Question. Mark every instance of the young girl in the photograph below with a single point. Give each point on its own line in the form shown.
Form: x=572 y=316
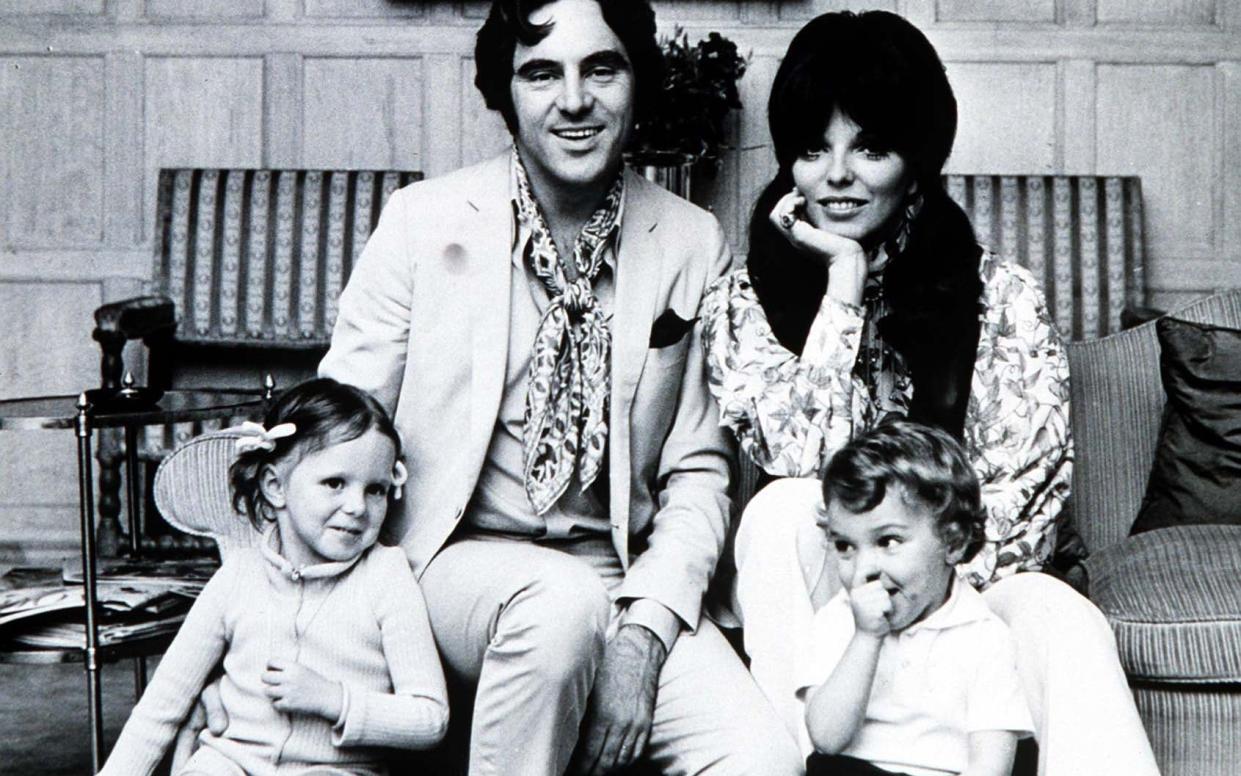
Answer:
x=907 y=670
x=327 y=650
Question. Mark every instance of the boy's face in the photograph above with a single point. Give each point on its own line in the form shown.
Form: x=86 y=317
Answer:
x=897 y=546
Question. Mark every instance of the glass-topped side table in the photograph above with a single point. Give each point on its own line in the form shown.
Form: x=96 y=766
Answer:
x=78 y=414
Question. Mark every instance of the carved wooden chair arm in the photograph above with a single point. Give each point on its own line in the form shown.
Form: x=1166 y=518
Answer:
x=142 y=317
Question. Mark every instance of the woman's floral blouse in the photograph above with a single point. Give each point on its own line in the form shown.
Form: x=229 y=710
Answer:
x=791 y=413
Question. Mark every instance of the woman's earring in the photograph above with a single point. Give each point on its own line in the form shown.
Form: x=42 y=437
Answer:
x=913 y=206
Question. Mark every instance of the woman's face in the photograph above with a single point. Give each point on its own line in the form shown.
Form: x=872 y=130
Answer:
x=852 y=185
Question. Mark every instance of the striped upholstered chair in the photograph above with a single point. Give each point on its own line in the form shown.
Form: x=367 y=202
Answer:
x=248 y=265
x=1172 y=595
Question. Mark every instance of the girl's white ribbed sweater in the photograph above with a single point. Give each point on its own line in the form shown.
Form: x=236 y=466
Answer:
x=362 y=623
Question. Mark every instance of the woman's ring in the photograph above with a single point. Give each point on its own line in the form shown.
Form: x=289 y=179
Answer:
x=786 y=220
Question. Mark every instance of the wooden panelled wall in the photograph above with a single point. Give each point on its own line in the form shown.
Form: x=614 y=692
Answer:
x=96 y=95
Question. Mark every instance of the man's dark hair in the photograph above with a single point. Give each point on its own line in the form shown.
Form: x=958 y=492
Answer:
x=508 y=24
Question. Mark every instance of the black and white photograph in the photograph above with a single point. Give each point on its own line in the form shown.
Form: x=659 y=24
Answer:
x=620 y=387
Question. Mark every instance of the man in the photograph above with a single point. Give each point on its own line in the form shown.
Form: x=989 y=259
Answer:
x=529 y=321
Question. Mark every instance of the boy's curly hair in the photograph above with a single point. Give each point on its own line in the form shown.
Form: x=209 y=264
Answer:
x=928 y=465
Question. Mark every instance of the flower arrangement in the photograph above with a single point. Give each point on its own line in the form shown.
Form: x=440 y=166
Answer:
x=699 y=89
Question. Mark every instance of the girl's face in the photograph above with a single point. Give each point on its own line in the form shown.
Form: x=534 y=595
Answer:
x=852 y=185
x=331 y=503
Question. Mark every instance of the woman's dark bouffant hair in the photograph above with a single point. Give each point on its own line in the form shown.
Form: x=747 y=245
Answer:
x=883 y=73
x=325 y=413
x=928 y=465
x=633 y=21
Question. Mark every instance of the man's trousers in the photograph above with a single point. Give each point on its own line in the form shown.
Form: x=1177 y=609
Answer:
x=527 y=624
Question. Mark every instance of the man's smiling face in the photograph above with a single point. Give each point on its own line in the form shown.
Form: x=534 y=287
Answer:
x=573 y=95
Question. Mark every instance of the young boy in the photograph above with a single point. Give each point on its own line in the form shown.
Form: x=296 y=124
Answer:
x=907 y=671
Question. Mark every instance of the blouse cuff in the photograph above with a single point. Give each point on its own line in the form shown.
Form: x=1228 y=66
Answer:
x=837 y=323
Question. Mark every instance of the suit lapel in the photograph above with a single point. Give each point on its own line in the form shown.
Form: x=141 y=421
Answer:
x=488 y=252
x=638 y=269
x=637 y=284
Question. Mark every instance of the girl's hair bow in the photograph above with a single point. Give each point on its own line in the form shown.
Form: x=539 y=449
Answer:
x=399 y=475
x=258 y=438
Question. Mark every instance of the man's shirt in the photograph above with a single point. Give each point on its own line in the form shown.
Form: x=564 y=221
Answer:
x=499 y=504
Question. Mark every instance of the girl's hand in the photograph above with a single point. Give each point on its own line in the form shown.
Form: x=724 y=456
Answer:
x=846 y=261
x=871 y=605
x=293 y=687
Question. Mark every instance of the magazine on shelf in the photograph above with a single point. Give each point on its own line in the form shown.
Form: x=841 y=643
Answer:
x=54 y=615
x=60 y=634
x=33 y=601
x=180 y=573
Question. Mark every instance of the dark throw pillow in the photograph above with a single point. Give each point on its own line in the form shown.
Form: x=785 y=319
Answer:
x=1196 y=477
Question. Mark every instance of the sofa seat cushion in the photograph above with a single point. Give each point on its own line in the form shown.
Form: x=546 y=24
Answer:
x=1173 y=598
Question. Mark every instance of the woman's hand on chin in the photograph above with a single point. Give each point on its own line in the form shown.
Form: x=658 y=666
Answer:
x=846 y=261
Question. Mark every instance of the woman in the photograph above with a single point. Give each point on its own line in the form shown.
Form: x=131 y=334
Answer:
x=865 y=293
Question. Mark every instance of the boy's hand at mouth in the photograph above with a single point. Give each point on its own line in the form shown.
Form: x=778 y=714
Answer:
x=872 y=605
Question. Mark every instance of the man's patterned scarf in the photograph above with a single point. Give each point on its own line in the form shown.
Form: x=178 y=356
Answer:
x=566 y=419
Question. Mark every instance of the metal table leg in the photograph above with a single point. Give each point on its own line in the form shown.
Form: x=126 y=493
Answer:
x=131 y=489
x=86 y=502
x=132 y=514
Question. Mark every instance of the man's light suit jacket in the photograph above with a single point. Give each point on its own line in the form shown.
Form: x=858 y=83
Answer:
x=423 y=325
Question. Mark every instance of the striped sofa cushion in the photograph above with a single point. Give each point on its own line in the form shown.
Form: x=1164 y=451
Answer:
x=1173 y=597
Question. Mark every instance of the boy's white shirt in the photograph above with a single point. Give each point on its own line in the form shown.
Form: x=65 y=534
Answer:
x=937 y=680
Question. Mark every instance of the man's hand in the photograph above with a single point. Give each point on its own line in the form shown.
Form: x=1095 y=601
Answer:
x=293 y=687
x=622 y=702
x=871 y=605
x=208 y=712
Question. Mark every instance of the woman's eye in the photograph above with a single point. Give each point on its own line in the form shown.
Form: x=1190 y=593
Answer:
x=889 y=542
x=375 y=489
x=810 y=154
x=872 y=151
x=335 y=483
x=842 y=548
x=602 y=73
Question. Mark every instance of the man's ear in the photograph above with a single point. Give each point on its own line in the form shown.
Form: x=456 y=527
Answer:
x=272 y=487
